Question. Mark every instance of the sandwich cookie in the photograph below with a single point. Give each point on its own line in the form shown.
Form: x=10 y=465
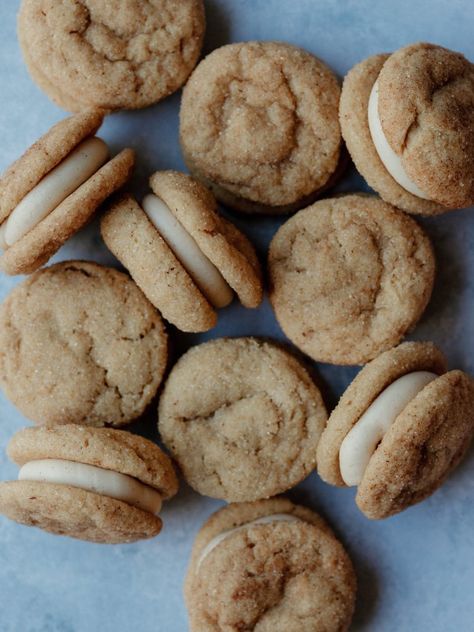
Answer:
x=53 y=190
x=79 y=343
x=112 y=54
x=186 y=258
x=349 y=277
x=399 y=429
x=242 y=418
x=259 y=126
x=269 y=565
x=408 y=122
x=94 y=484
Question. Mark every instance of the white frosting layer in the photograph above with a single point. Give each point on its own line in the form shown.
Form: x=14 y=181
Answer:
x=3 y=243
x=210 y=546
x=55 y=187
x=362 y=440
x=204 y=273
x=392 y=162
x=93 y=479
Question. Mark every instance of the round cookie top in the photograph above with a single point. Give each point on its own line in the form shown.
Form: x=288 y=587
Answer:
x=106 y=448
x=349 y=276
x=287 y=575
x=114 y=54
x=426 y=109
x=195 y=207
x=259 y=123
x=371 y=380
x=79 y=343
x=242 y=418
x=48 y=151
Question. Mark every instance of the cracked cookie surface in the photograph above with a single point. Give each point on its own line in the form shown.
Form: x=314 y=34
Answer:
x=259 y=125
x=242 y=418
x=110 y=53
x=79 y=343
x=349 y=277
x=272 y=577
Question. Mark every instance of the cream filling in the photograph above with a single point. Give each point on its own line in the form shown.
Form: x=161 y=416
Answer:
x=93 y=479
x=54 y=188
x=204 y=273
x=210 y=546
x=391 y=161
x=361 y=441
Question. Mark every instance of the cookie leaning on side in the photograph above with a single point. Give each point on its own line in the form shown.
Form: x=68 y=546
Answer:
x=408 y=122
x=93 y=484
x=269 y=565
x=399 y=429
x=53 y=190
x=186 y=258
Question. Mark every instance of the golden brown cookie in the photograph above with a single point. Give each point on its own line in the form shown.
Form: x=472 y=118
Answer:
x=154 y=257
x=112 y=54
x=52 y=191
x=259 y=126
x=242 y=418
x=287 y=571
x=79 y=343
x=349 y=276
x=413 y=438
x=94 y=484
x=426 y=113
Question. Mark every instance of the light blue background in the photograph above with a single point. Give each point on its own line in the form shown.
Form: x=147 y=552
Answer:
x=416 y=570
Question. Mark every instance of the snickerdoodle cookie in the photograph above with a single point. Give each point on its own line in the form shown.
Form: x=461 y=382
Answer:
x=242 y=418
x=187 y=259
x=259 y=126
x=270 y=566
x=399 y=429
x=94 y=484
x=79 y=343
x=112 y=54
x=349 y=276
x=53 y=190
x=408 y=122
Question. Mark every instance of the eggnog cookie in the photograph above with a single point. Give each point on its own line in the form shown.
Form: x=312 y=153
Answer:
x=269 y=565
x=408 y=122
x=94 y=484
x=259 y=125
x=112 y=54
x=79 y=343
x=242 y=418
x=399 y=429
x=349 y=276
x=186 y=258
x=54 y=188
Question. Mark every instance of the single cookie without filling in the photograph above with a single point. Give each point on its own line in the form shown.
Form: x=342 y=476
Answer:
x=242 y=418
x=113 y=54
x=349 y=276
x=79 y=343
x=399 y=429
x=186 y=258
x=408 y=122
x=53 y=190
x=95 y=484
x=259 y=126
x=270 y=566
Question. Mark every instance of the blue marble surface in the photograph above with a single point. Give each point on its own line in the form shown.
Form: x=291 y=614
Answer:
x=416 y=570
